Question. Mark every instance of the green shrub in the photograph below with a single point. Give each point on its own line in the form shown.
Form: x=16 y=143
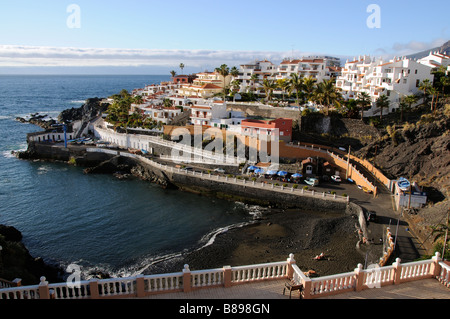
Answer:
x=72 y=161
x=295 y=186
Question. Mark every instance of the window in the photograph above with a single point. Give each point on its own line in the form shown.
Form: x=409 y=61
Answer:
x=415 y=72
x=417 y=83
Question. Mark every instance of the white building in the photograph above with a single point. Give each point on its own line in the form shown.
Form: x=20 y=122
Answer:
x=396 y=78
x=162 y=114
x=251 y=75
x=204 y=114
x=436 y=60
x=318 y=68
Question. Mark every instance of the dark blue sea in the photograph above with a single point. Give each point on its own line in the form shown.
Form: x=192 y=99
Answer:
x=122 y=227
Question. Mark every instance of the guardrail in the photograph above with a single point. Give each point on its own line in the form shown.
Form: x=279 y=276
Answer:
x=373 y=277
x=242 y=182
x=185 y=281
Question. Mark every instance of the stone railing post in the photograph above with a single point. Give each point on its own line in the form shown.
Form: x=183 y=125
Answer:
x=140 y=286
x=290 y=262
x=435 y=268
x=359 y=274
x=397 y=271
x=17 y=282
x=44 y=292
x=307 y=284
x=187 y=286
x=227 y=276
x=93 y=288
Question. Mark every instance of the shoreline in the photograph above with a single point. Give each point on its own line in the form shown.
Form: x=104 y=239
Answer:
x=278 y=234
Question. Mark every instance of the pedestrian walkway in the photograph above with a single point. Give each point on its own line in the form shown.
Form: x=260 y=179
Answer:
x=420 y=289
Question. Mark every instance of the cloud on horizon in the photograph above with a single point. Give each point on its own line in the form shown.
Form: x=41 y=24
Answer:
x=13 y=56
x=412 y=47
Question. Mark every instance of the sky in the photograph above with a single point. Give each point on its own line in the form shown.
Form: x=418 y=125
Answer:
x=155 y=36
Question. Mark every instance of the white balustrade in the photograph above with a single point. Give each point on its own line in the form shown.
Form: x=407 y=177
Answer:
x=206 y=278
x=259 y=272
x=116 y=286
x=334 y=283
x=79 y=290
x=444 y=275
x=166 y=282
x=26 y=292
x=415 y=270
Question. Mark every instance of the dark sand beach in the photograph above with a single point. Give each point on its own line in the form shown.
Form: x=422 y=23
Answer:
x=279 y=233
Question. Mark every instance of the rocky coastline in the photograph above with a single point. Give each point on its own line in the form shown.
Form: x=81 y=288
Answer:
x=275 y=235
x=17 y=262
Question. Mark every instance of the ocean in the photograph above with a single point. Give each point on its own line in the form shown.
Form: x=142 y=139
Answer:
x=98 y=222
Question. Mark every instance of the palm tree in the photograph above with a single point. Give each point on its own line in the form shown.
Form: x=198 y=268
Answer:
x=181 y=67
x=173 y=73
x=283 y=85
x=434 y=97
x=167 y=102
x=444 y=83
x=409 y=100
x=224 y=71
x=382 y=102
x=269 y=86
x=331 y=96
x=364 y=101
x=424 y=86
x=235 y=84
x=309 y=85
x=296 y=84
x=253 y=79
x=441 y=230
x=138 y=99
x=234 y=72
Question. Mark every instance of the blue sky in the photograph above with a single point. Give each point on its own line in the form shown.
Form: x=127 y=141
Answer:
x=158 y=35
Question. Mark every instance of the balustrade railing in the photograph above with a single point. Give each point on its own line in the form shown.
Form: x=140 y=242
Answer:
x=251 y=273
x=444 y=275
x=141 y=286
x=163 y=283
x=25 y=292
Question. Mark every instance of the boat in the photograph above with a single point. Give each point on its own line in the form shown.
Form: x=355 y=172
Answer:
x=403 y=184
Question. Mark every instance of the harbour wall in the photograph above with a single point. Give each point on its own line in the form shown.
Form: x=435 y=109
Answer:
x=206 y=184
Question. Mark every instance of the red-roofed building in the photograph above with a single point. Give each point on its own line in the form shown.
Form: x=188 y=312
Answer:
x=256 y=128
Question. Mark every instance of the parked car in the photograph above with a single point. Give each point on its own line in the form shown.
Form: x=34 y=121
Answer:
x=336 y=178
x=219 y=170
x=312 y=181
x=367 y=190
x=371 y=216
